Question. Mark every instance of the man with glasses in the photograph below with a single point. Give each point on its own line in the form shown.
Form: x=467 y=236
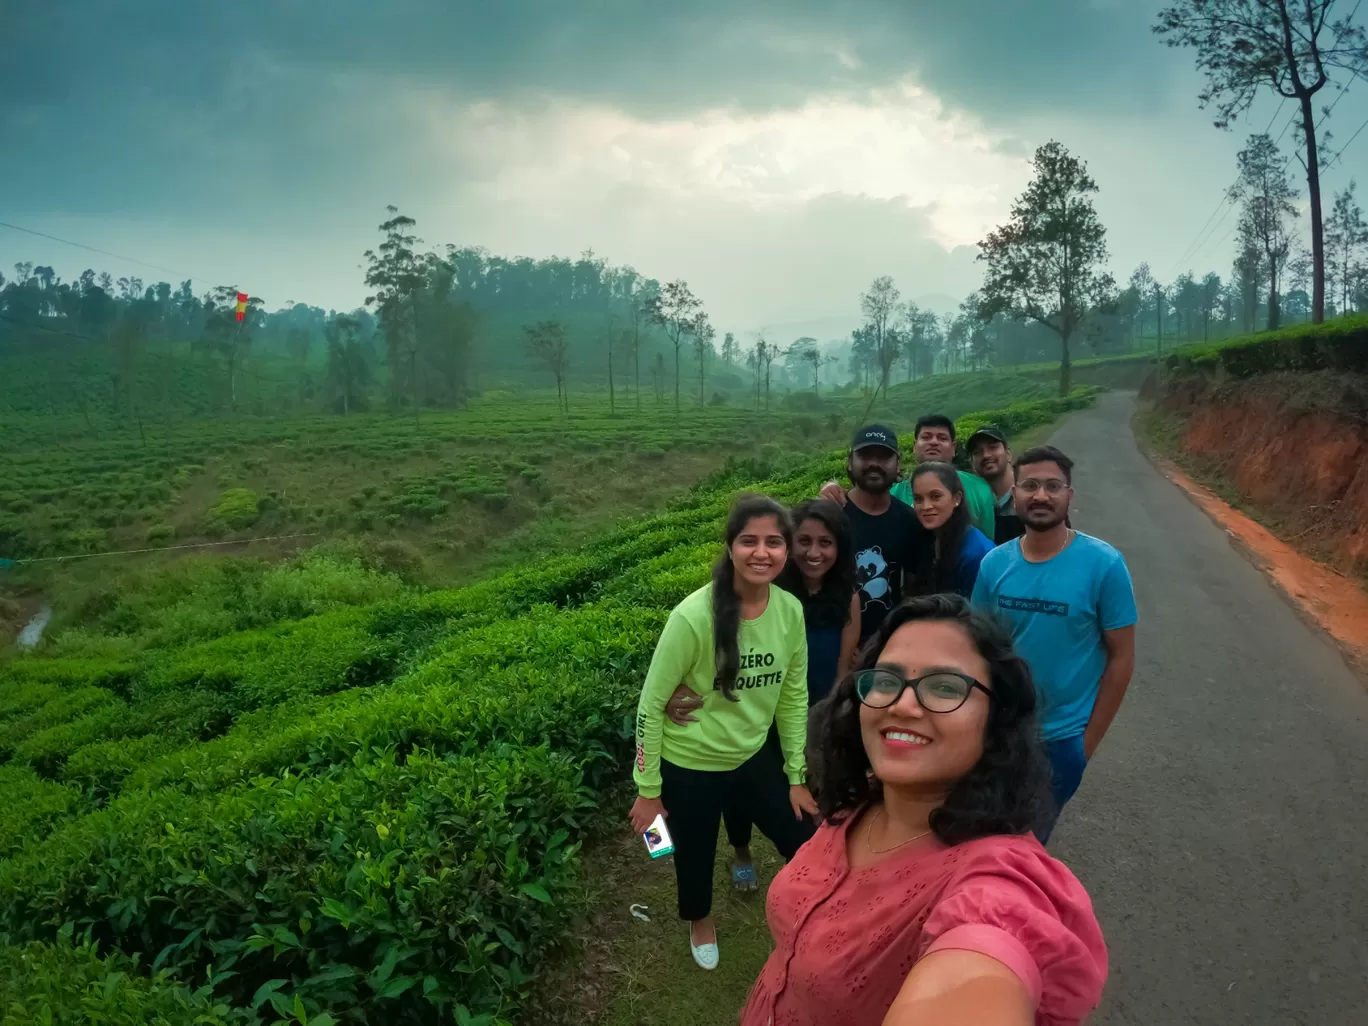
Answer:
x=1068 y=600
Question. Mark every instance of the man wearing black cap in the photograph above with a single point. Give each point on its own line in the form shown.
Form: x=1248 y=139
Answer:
x=885 y=532
x=991 y=458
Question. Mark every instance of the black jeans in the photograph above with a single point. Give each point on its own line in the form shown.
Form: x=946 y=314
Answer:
x=695 y=799
x=734 y=813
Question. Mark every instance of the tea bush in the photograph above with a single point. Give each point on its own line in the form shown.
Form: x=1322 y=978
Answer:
x=73 y=985
x=236 y=508
x=1340 y=345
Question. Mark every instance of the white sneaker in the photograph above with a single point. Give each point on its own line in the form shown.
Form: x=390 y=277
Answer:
x=704 y=954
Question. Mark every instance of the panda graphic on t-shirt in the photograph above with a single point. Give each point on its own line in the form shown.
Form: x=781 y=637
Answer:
x=871 y=570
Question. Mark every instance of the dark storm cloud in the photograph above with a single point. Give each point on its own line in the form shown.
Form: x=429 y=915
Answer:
x=638 y=54
x=107 y=106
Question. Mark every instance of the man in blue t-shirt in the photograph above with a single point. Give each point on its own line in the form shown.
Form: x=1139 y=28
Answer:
x=1068 y=600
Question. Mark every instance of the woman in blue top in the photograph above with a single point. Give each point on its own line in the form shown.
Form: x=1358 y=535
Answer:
x=821 y=573
x=951 y=562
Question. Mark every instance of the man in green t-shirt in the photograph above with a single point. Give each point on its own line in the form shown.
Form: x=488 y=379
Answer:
x=935 y=441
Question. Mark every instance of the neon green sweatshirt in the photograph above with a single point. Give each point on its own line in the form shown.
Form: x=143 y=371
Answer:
x=770 y=685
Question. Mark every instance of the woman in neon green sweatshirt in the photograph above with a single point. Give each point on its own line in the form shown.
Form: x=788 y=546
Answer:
x=740 y=643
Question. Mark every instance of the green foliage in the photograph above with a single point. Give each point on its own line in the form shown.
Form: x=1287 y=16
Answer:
x=63 y=984
x=236 y=509
x=29 y=805
x=1338 y=345
x=345 y=799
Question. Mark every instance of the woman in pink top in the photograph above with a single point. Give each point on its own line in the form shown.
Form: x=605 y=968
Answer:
x=924 y=898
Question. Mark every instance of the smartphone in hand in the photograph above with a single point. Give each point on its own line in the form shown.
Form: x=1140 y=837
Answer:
x=657 y=838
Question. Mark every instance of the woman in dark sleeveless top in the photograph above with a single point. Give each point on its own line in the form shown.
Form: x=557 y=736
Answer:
x=821 y=573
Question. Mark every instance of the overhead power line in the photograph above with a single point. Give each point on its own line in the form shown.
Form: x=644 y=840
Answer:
x=116 y=256
x=1199 y=242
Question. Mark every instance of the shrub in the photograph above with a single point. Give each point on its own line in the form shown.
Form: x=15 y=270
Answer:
x=236 y=509
x=29 y=806
x=63 y=984
x=323 y=653
x=160 y=533
x=100 y=768
x=46 y=750
x=65 y=707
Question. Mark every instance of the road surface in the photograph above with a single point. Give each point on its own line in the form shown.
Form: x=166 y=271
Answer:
x=1222 y=827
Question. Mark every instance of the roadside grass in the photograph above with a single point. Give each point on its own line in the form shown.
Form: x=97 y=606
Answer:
x=620 y=971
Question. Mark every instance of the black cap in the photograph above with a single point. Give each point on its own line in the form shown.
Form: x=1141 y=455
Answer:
x=986 y=431
x=875 y=434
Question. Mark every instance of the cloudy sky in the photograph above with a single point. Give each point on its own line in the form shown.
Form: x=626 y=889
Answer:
x=776 y=155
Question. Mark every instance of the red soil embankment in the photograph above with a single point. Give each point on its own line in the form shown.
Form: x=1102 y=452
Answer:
x=1295 y=446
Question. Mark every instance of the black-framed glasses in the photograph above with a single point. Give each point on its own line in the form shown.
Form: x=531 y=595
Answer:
x=941 y=691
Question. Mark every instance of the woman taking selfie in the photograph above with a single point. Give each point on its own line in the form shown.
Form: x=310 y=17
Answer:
x=924 y=899
x=951 y=563
x=739 y=643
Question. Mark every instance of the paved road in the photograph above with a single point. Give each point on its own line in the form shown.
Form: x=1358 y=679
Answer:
x=1222 y=828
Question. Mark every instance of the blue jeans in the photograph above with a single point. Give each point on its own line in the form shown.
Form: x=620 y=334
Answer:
x=1067 y=763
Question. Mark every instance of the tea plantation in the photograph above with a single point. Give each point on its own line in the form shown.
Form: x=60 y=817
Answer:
x=311 y=793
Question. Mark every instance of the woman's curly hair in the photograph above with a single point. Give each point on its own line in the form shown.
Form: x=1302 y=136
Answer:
x=1006 y=791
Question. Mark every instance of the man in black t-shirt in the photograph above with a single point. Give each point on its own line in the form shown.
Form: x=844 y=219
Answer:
x=885 y=532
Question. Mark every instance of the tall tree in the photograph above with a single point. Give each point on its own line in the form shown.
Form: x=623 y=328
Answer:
x=766 y=352
x=1142 y=281
x=1211 y=295
x=348 y=370
x=443 y=338
x=1045 y=265
x=396 y=273
x=609 y=319
x=1246 y=274
x=911 y=338
x=297 y=342
x=547 y=342
x=1245 y=45
x=731 y=351
x=880 y=307
x=640 y=310
x=804 y=352
x=1267 y=196
x=863 y=355
x=702 y=333
x=1346 y=236
x=675 y=309
x=226 y=336
x=980 y=333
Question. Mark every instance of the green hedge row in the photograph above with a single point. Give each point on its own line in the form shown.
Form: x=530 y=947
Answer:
x=1340 y=344
x=428 y=824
